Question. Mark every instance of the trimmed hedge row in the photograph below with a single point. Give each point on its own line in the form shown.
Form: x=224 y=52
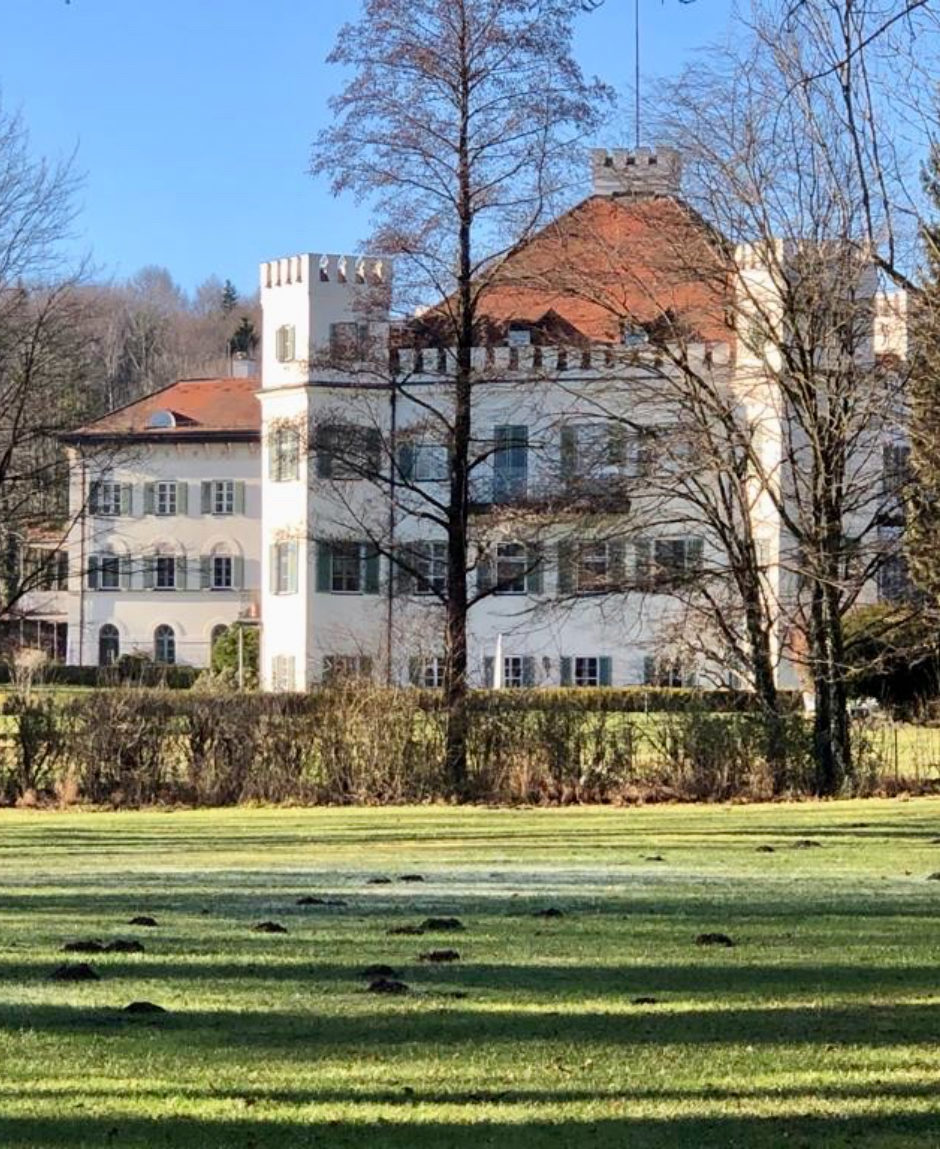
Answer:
x=357 y=744
x=144 y=674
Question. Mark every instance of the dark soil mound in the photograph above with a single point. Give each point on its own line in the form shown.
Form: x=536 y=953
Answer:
x=439 y=956
x=646 y=1001
x=387 y=985
x=143 y=1007
x=378 y=970
x=655 y=858
x=269 y=928
x=765 y=850
x=806 y=844
x=406 y=931
x=143 y=920
x=714 y=940
x=75 y=971
x=441 y=925
x=311 y=901
x=410 y=878
x=934 y=877
x=379 y=882
x=88 y=946
x=551 y=912
x=124 y=946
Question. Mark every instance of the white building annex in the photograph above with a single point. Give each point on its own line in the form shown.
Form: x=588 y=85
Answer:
x=219 y=500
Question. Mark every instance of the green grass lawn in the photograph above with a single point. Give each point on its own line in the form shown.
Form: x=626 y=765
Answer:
x=821 y=1026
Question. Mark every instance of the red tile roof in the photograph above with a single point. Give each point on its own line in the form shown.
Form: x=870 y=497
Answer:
x=201 y=408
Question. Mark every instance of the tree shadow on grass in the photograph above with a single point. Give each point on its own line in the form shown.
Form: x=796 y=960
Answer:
x=256 y=1132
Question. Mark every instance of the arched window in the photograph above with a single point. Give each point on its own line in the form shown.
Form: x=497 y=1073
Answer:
x=109 y=645
x=164 y=645
x=217 y=633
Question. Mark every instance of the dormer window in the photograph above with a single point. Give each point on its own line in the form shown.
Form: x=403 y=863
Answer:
x=161 y=421
x=520 y=335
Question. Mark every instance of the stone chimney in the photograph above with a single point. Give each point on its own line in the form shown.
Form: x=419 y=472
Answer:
x=643 y=172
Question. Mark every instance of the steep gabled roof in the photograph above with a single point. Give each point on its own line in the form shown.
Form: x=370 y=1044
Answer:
x=202 y=409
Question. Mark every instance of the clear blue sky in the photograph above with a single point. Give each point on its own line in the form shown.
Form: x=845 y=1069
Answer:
x=193 y=118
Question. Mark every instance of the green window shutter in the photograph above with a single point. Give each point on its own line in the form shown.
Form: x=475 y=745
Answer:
x=180 y=572
x=94 y=491
x=205 y=499
x=488 y=668
x=606 y=670
x=616 y=553
x=93 y=572
x=127 y=499
x=693 y=555
x=534 y=577
x=371 y=564
x=528 y=670
x=406 y=462
x=150 y=572
x=404 y=578
x=415 y=669
x=486 y=572
x=238 y=572
x=649 y=670
x=182 y=498
x=126 y=572
x=566 y=567
x=239 y=498
x=324 y=567
x=642 y=562
x=272 y=568
x=273 y=456
x=149 y=498
x=326 y=439
x=566 y=677
x=373 y=449
x=569 y=454
x=205 y=572
x=617 y=445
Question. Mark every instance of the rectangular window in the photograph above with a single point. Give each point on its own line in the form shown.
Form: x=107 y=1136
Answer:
x=510 y=463
x=895 y=469
x=342 y=667
x=431 y=463
x=222 y=572
x=284 y=568
x=519 y=336
x=165 y=572
x=676 y=558
x=166 y=499
x=430 y=562
x=587 y=671
x=348 y=452
x=666 y=672
x=109 y=572
x=593 y=569
x=284 y=343
x=512 y=566
x=349 y=341
x=283 y=672
x=346 y=568
x=513 y=671
x=284 y=461
x=431 y=674
x=105 y=498
x=223 y=497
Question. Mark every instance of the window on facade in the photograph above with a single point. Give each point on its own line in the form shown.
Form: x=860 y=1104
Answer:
x=46 y=569
x=512 y=565
x=223 y=497
x=165 y=498
x=593 y=568
x=519 y=336
x=223 y=575
x=342 y=667
x=346 y=568
x=284 y=343
x=109 y=645
x=109 y=572
x=164 y=645
x=165 y=572
x=348 y=452
x=676 y=558
x=284 y=461
x=587 y=671
x=349 y=341
x=894 y=579
x=426 y=672
x=666 y=672
x=895 y=468
x=283 y=672
x=510 y=462
x=284 y=568
x=513 y=674
x=430 y=563
x=431 y=463
x=218 y=632
x=105 y=498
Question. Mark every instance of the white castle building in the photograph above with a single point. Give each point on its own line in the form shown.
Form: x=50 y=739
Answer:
x=219 y=500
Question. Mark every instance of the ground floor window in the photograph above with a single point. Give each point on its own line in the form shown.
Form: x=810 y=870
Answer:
x=340 y=667
x=109 y=645
x=164 y=645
